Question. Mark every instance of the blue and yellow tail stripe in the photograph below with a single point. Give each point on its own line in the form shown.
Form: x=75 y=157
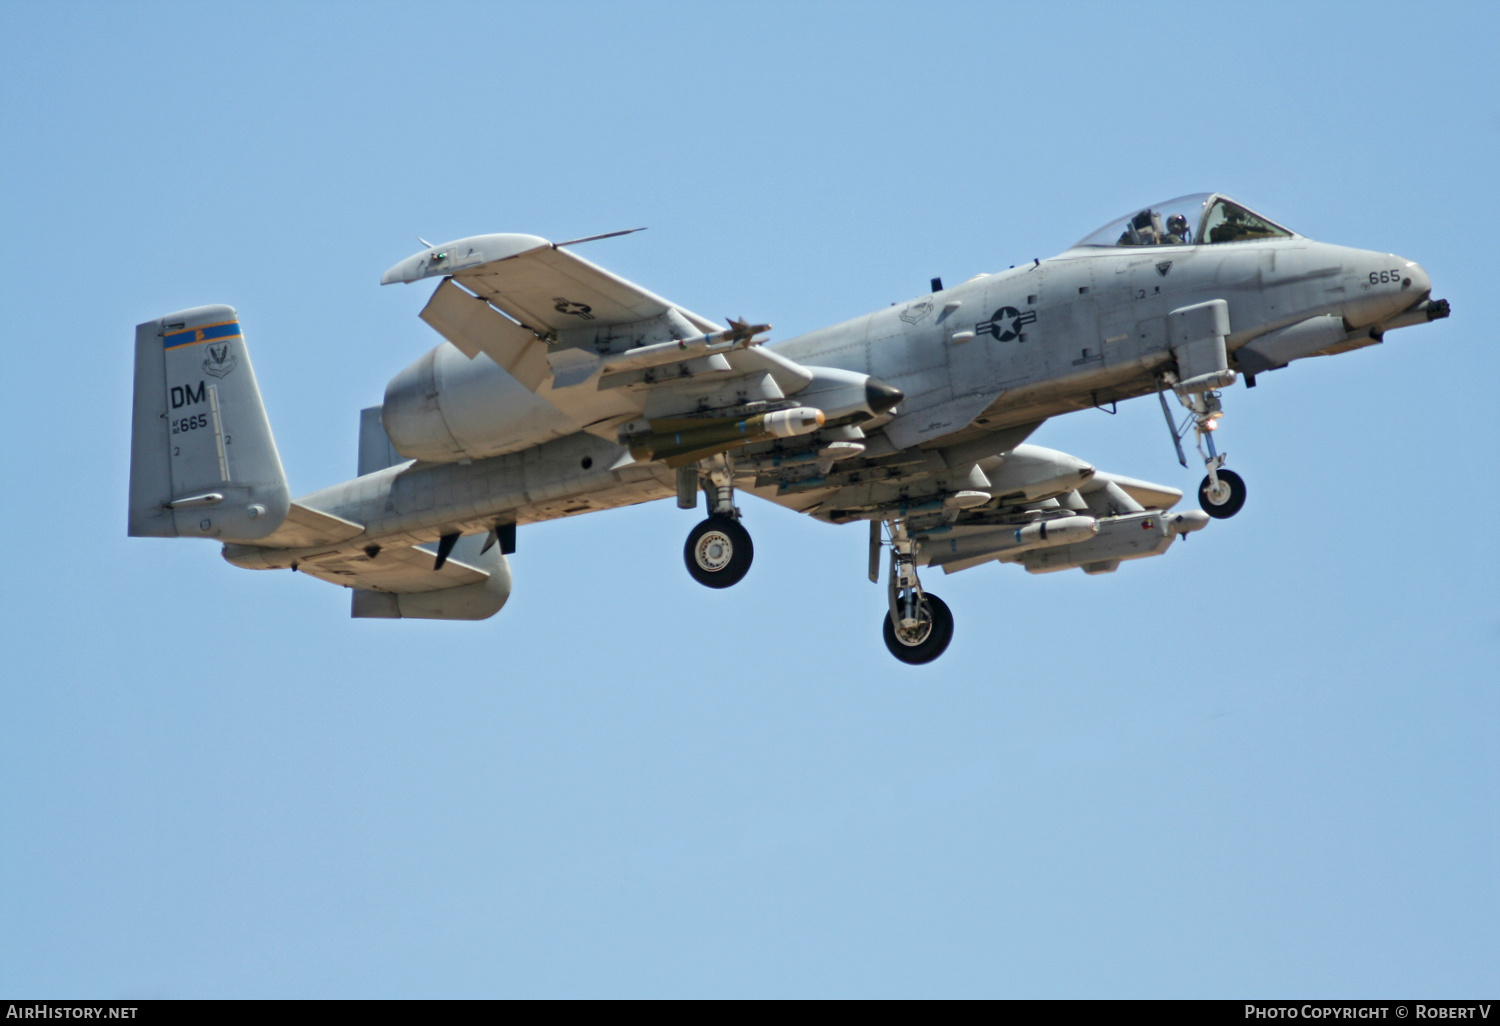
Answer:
x=205 y=333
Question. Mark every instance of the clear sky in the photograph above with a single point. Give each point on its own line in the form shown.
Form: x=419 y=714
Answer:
x=1263 y=764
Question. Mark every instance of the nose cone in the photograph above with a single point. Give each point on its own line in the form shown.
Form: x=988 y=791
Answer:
x=1383 y=285
x=1421 y=284
x=881 y=397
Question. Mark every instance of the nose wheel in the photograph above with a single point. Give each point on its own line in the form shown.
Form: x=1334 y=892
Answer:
x=1222 y=493
x=1222 y=498
x=718 y=552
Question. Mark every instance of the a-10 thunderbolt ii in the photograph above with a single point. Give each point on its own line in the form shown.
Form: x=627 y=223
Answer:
x=563 y=389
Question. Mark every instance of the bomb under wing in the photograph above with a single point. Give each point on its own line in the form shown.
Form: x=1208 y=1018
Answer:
x=677 y=442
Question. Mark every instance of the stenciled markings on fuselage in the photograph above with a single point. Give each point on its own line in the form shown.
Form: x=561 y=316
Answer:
x=207 y=333
x=1006 y=323
x=183 y=425
x=914 y=312
x=186 y=395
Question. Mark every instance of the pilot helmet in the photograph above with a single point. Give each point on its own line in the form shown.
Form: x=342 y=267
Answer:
x=1177 y=224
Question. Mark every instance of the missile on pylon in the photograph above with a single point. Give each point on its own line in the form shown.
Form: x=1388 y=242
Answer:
x=1130 y=536
x=970 y=546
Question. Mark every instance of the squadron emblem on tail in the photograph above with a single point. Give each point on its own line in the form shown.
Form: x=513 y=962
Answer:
x=220 y=361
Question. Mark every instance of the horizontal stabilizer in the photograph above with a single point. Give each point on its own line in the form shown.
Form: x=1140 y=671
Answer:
x=394 y=569
x=472 y=583
x=306 y=527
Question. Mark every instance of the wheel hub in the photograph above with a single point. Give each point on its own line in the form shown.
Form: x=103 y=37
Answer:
x=714 y=551
x=916 y=635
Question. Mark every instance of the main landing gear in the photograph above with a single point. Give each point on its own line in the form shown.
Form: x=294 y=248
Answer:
x=1222 y=493
x=718 y=552
x=918 y=626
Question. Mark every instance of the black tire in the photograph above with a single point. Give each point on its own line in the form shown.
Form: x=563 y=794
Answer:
x=718 y=552
x=934 y=644
x=1231 y=505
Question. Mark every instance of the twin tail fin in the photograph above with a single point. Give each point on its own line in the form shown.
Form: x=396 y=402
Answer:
x=203 y=463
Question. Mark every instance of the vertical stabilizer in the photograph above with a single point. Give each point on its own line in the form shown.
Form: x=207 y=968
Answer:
x=375 y=449
x=203 y=463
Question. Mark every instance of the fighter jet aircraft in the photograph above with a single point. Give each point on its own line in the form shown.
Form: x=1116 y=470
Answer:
x=562 y=389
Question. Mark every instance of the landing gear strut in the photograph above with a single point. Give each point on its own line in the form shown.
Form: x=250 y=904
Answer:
x=718 y=552
x=1222 y=493
x=918 y=625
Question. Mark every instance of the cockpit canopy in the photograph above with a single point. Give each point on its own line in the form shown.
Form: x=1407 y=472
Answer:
x=1203 y=218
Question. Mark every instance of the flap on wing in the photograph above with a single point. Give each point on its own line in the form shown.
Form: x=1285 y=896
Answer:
x=398 y=570
x=541 y=286
x=475 y=327
x=305 y=527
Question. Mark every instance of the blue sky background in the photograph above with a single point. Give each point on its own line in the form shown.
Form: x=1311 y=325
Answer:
x=1263 y=764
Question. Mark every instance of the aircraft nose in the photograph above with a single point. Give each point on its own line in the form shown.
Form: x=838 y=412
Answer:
x=1384 y=285
x=1421 y=284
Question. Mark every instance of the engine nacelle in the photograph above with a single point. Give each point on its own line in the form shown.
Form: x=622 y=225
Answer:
x=446 y=407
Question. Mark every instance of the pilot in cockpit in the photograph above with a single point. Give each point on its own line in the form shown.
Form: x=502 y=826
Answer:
x=1178 y=231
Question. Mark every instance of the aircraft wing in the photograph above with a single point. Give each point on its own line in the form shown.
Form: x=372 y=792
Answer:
x=539 y=285
x=601 y=349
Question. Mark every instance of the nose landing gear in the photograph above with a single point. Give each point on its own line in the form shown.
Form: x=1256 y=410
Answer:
x=918 y=626
x=1222 y=493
